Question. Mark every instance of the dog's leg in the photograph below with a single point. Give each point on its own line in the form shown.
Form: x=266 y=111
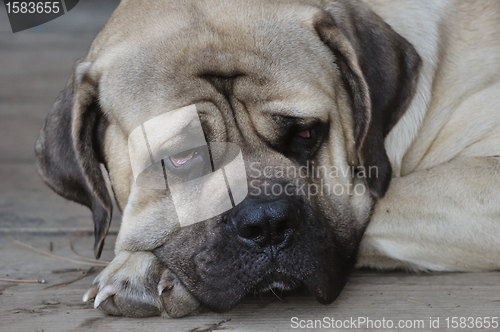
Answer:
x=136 y=284
x=446 y=218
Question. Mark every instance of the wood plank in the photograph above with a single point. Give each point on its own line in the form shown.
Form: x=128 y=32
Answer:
x=393 y=296
x=27 y=203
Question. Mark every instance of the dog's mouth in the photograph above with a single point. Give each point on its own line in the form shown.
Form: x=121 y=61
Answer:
x=220 y=272
x=224 y=292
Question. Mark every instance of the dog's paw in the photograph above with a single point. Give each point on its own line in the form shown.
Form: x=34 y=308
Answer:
x=136 y=284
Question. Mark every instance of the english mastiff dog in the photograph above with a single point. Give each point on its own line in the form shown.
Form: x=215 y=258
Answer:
x=255 y=145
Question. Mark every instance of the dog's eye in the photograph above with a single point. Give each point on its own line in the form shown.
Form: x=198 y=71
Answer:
x=304 y=134
x=180 y=159
x=303 y=141
x=188 y=165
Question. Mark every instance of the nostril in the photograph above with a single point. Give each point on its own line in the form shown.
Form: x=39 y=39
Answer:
x=250 y=232
x=280 y=230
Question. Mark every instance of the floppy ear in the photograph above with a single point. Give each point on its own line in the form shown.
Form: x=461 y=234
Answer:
x=69 y=151
x=380 y=71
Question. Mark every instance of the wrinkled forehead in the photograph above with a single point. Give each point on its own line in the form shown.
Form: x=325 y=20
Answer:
x=275 y=62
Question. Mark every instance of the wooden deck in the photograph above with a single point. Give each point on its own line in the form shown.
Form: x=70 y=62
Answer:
x=34 y=66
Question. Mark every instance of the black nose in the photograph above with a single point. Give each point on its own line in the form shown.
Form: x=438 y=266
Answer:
x=266 y=223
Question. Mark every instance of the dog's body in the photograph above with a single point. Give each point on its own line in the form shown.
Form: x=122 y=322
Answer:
x=423 y=100
x=442 y=148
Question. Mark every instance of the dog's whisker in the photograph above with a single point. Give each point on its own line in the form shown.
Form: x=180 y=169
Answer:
x=279 y=298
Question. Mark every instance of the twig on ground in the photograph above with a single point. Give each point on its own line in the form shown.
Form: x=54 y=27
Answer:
x=40 y=281
x=66 y=283
x=55 y=256
x=427 y=304
x=85 y=258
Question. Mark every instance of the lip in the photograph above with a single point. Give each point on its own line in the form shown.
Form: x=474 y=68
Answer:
x=275 y=279
x=218 y=296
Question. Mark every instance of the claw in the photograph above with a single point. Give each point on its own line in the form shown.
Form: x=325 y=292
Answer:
x=179 y=301
x=90 y=293
x=166 y=283
x=104 y=294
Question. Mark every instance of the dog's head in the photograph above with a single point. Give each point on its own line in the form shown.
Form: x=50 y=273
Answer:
x=306 y=92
